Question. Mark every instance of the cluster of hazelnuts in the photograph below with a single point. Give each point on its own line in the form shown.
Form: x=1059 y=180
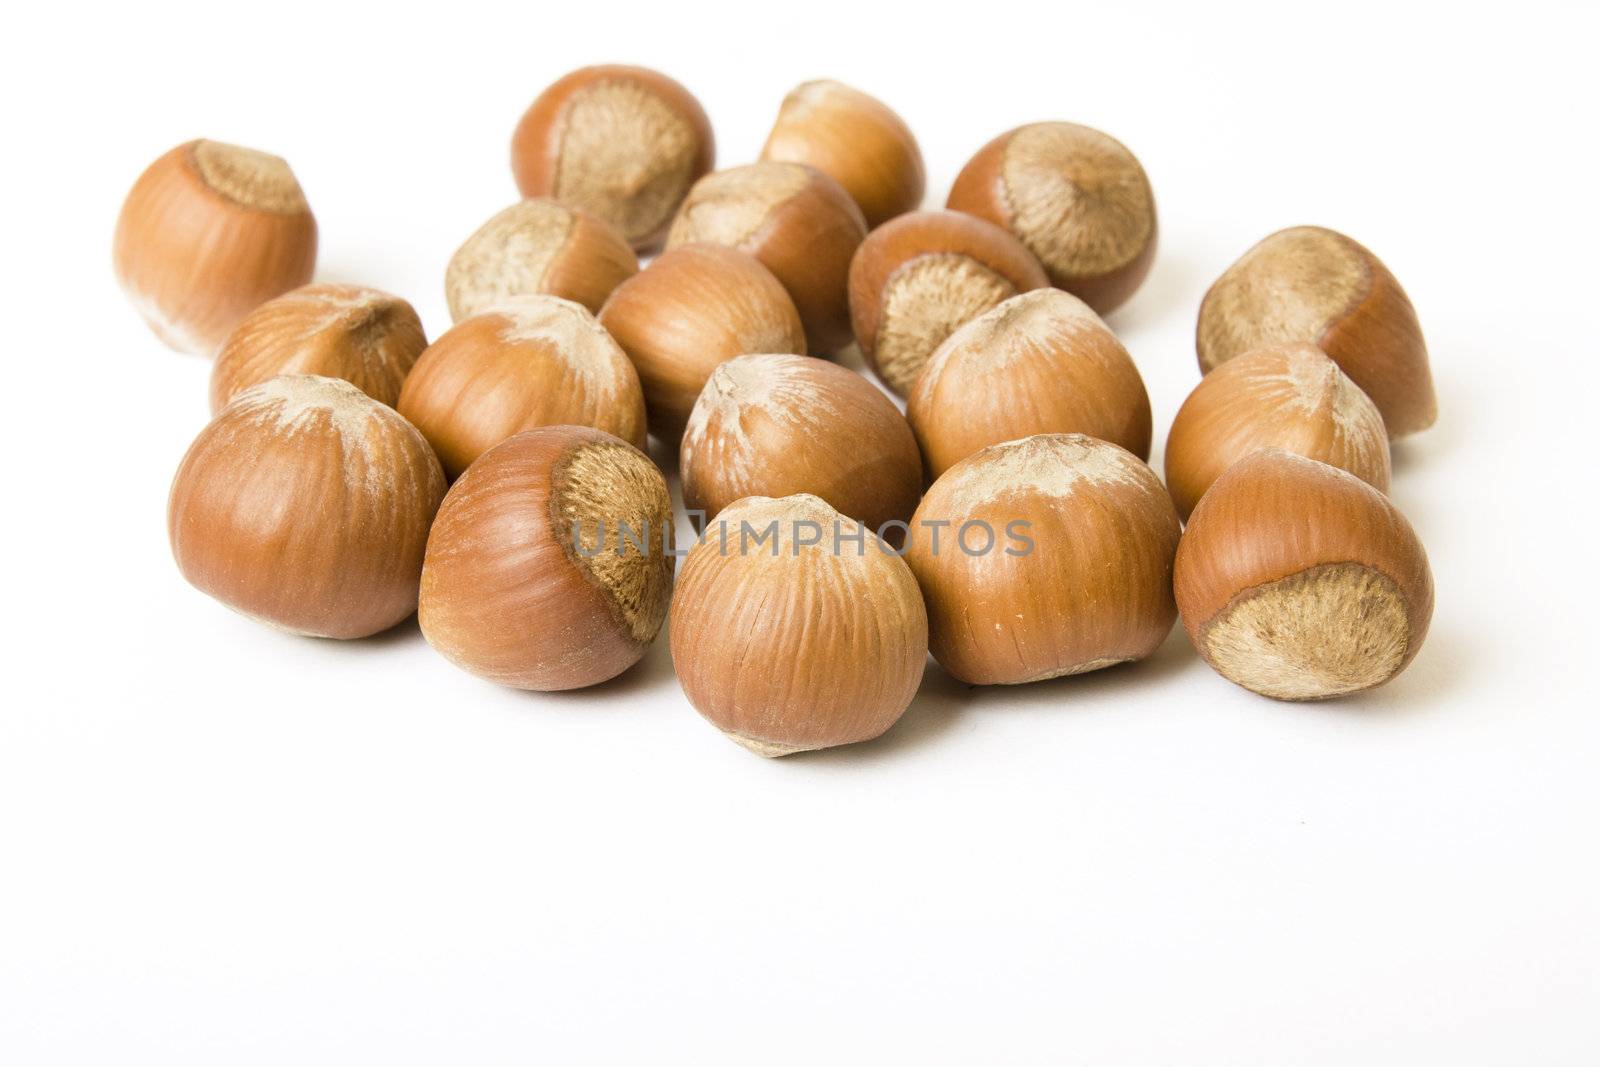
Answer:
x=495 y=481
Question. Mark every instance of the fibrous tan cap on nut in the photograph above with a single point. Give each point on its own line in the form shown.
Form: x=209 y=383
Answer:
x=1275 y=641
x=626 y=155
x=924 y=302
x=1052 y=466
x=1079 y=199
x=506 y=256
x=1287 y=288
x=605 y=488
x=256 y=180
x=729 y=206
x=566 y=328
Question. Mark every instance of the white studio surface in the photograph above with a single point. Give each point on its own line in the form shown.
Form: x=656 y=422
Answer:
x=219 y=844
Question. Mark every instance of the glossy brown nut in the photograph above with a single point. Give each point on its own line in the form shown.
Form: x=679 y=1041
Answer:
x=548 y=567
x=1044 y=557
x=365 y=336
x=854 y=139
x=780 y=425
x=1077 y=198
x=538 y=247
x=789 y=644
x=798 y=222
x=529 y=362
x=694 y=307
x=919 y=277
x=1299 y=581
x=1288 y=396
x=1042 y=362
x=305 y=504
x=208 y=232
x=621 y=143
x=1314 y=285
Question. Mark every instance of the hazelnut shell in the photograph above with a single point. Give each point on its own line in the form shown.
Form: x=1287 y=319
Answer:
x=305 y=504
x=780 y=425
x=1092 y=589
x=854 y=139
x=798 y=222
x=1315 y=285
x=365 y=336
x=1300 y=581
x=529 y=362
x=513 y=591
x=1077 y=198
x=694 y=307
x=622 y=143
x=1042 y=362
x=795 y=647
x=538 y=246
x=918 y=277
x=1288 y=396
x=208 y=232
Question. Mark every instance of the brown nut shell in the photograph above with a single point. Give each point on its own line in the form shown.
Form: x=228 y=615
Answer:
x=694 y=307
x=857 y=141
x=919 y=277
x=305 y=504
x=531 y=361
x=1076 y=197
x=780 y=425
x=798 y=222
x=1288 y=396
x=787 y=645
x=1299 y=581
x=549 y=566
x=1054 y=557
x=208 y=232
x=365 y=336
x=1041 y=362
x=621 y=143
x=1315 y=285
x=534 y=247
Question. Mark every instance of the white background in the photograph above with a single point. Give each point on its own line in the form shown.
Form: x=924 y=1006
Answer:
x=220 y=845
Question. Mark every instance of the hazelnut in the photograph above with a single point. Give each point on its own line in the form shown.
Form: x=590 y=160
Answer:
x=548 y=566
x=364 y=336
x=793 y=628
x=1298 y=581
x=798 y=222
x=1077 y=198
x=854 y=139
x=1043 y=557
x=1314 y=285
x=622 y=143
x=692 y=308
x=918 y=277
x=208 y=232
x=1042 y=362
x=305 y=504
x=1287 y=396
x=778 y=425
x=538 y=246
x=531 y=361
